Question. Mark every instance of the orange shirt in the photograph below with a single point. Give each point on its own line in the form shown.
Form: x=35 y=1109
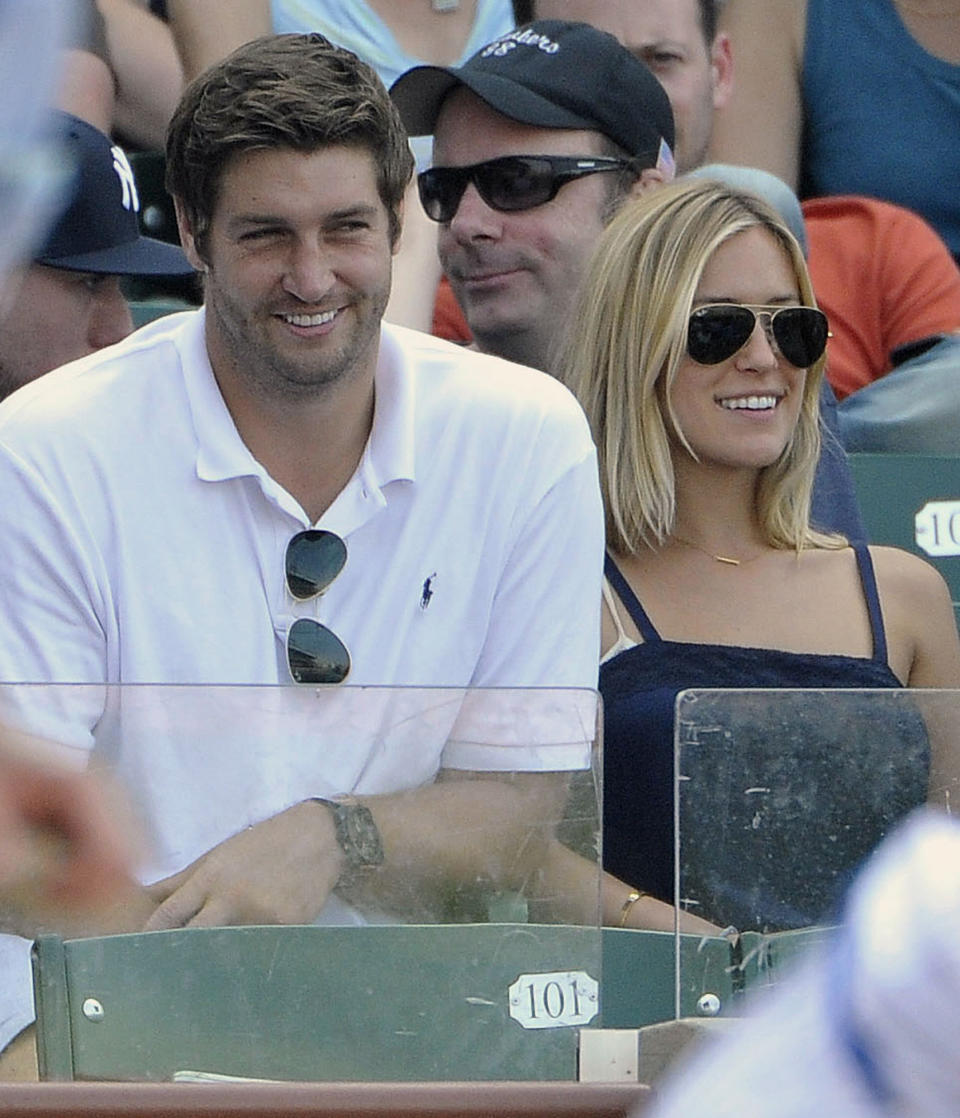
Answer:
x=448 y=319
x=883 y=277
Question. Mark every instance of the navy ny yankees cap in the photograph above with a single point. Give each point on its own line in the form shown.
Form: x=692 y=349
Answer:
x=552 y=74
x=99 y=231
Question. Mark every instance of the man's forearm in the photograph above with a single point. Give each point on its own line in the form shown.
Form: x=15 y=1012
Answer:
x=488 y=832
x=467 y=830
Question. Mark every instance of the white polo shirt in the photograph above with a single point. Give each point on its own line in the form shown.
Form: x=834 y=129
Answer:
x=143 y=543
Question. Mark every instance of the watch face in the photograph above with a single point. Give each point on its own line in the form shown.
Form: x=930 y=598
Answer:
x=361 y=839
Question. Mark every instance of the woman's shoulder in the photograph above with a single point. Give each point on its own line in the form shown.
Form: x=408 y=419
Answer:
x=912 y=591
x=907 y=574
x=919 y=618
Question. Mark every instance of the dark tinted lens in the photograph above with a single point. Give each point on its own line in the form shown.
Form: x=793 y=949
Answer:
x=314 y=559
x=515 y=183
x=441 y=189
x=801 y=334
x=315 y=654
x=716 y=333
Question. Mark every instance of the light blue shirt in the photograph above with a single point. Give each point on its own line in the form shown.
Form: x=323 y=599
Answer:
x=355 y=25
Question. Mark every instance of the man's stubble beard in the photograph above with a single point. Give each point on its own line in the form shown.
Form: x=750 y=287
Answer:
x=262 y=366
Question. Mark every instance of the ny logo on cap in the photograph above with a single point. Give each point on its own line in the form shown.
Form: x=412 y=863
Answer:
x=131 y=200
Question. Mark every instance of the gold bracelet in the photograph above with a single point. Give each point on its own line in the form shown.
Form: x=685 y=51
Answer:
x=628 y=904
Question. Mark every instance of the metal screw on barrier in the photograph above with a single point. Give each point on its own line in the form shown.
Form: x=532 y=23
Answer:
x=92 y=1009
x=708 y=1005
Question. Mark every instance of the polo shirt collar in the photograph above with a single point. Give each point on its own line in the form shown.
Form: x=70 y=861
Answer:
x=222 y=454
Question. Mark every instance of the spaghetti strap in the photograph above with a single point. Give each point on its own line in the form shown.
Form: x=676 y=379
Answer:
x=630 y=600
x=622 y=639
x=868 y=579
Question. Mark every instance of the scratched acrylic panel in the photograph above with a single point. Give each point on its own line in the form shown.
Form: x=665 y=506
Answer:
x=472 y=953
x=782 y=795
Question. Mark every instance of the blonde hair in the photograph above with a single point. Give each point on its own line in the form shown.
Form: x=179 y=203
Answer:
x=627 y=339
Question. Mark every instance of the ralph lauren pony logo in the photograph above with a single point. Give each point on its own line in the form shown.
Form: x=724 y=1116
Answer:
x=426 y=592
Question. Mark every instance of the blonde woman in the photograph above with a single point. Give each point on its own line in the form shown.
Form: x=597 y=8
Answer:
x=697 y=354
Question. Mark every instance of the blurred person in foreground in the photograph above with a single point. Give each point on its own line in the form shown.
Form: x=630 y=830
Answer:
x=866 y=1028
x=63 y=847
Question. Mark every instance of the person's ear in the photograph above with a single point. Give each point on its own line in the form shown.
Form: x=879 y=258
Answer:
x=649 y=179
x=187 y=239
x=721 y=69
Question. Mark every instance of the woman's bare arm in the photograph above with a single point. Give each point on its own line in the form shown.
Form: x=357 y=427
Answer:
x=761 y=124
x=922 y=632
x=205 y=32
x=147 y=70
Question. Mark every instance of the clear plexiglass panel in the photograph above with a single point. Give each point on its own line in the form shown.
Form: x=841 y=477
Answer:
x=781 y=795
x=472 y=952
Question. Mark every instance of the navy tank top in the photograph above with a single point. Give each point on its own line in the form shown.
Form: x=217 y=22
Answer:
x=640 y=686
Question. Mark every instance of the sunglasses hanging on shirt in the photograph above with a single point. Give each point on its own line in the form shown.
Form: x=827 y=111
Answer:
x=315 y=654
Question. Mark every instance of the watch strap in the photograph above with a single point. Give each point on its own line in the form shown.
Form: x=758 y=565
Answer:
x=357 y=833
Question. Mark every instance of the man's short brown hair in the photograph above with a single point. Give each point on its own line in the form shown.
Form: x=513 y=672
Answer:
x=282 y=91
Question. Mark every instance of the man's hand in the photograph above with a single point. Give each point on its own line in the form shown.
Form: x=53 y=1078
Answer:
x=280 y=871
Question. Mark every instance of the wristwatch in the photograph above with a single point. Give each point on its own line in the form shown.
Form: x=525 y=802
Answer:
x=357 y=833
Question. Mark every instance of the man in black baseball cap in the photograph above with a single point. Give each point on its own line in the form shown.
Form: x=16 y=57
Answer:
x=538 y=138
x=68 y=302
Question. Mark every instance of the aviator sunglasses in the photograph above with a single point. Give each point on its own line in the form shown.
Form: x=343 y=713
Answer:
x=513 y=182
x=719 y=330
x=315 y=654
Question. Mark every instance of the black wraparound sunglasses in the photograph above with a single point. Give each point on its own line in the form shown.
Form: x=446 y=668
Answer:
x=315 y=654
x=513 y=182
x=719 y=330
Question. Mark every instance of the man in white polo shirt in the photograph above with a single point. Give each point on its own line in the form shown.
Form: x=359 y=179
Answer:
x=174 y=507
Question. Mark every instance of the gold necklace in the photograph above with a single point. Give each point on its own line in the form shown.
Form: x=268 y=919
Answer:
x=727 y=559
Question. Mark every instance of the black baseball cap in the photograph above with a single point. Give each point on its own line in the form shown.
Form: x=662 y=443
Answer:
x=99 y=231
x=551 y=73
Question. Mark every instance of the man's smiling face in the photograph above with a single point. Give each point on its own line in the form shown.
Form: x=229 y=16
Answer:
x=516 y=274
